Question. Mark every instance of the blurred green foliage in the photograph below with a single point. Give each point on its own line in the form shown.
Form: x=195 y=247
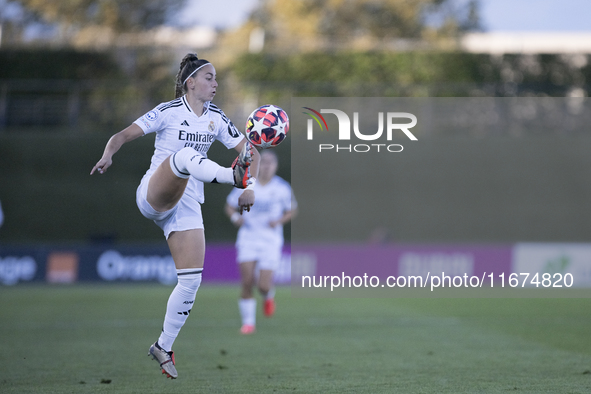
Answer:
x=71 y=64
x=293 y=26
x=118 y=15
x=387 y=74
x=105 y=91
x=86 y=91
x=44 y=183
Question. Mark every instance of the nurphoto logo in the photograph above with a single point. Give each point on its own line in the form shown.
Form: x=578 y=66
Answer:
x=344 y=133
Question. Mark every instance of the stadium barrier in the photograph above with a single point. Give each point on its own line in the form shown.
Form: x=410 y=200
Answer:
x=387 y=260
x=153 y=263
x=507 y=265
x=114 y=263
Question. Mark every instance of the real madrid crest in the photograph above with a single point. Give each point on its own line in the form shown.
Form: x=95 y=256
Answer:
x=211 y=126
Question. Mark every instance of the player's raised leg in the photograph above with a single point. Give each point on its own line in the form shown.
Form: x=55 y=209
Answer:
x=165 y=188
x=188 y=162
x=169 y=181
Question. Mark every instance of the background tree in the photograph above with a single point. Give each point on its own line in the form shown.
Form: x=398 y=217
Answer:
x=95 y=23
x=118 y=15
x=291 y=25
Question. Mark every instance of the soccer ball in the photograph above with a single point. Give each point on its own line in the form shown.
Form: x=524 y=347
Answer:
x=267 y=126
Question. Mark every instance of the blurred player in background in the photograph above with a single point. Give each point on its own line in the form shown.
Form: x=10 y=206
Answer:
x=260 y=237
x=171 y=191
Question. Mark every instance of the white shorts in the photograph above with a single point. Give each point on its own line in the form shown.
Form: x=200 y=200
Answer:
x=266 y=257
x=186 y=214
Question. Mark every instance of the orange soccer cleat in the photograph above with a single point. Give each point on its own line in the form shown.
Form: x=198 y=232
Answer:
x=269 y=307
x=165 y=359
x=247 y=329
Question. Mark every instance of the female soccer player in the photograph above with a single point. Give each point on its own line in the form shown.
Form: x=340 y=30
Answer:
x=260 y=237
x=171 y=191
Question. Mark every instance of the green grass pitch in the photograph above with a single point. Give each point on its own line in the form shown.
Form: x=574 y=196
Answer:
x=95 y=339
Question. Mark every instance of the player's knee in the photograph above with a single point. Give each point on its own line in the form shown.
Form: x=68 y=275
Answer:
x=247 y=285
x=247 y=280
x=178 y=162
x=189 y=283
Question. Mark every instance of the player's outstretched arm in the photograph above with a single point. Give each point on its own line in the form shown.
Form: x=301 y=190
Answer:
x=114 y=144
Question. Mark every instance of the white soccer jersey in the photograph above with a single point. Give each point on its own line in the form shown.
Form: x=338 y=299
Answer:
x=177 y=126
x=271 y=202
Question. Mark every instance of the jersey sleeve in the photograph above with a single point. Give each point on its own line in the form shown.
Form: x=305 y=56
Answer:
x=151 y=121
x=227 y=133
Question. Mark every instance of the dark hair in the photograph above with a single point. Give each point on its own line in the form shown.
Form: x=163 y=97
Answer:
x=189 y=64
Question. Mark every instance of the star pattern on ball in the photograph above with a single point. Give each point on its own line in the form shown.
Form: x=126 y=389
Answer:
x=266 y=144
x=267 y=126
x=258 y=125
x=281 y=125
x=271 y=109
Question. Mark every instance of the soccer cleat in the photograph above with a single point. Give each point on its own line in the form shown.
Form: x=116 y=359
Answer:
x=165 y=359
x=269 y=307
x=247 y=329
x=241 y=166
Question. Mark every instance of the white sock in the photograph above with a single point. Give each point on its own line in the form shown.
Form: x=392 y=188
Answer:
x=179 y=305
x=187 y=162
x=248 y=309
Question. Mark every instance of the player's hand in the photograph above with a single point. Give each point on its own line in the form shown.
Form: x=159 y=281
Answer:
x=101 y=166
x=246 y=200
